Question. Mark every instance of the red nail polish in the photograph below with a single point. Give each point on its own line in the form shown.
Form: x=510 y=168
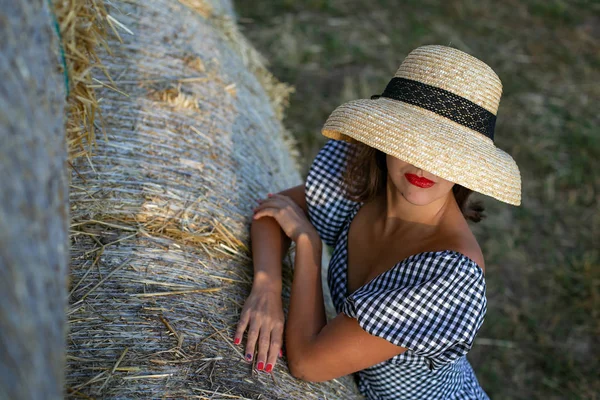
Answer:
x=280 y=352
x=237 y=340
x=260 y=366
x=269 y=368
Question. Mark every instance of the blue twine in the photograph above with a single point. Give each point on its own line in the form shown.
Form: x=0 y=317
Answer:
x=62 y=50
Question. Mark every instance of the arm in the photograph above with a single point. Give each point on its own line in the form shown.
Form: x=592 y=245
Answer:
x=262 y=314
x=318 y=351
x=270 y=245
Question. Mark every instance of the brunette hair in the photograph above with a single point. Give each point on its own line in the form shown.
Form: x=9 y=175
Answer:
x=365 y=177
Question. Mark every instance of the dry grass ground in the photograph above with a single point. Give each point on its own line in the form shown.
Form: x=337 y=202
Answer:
x=540 y=338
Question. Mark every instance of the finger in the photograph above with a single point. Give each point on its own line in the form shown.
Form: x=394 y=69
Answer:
x=287 y=202
x=266 y=212
x=274 y=348
x=266 y=205
x=263 y=348
x=251 y=342
x=241 y=327
x=279 y=196
x=272 y=202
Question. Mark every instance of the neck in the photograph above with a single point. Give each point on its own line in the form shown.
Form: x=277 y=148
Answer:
x=397 y=212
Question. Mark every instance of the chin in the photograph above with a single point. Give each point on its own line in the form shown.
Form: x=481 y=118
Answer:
x=418 y=199
x=421 y=197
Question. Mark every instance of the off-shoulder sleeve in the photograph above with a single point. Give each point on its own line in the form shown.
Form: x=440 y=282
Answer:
x=328 y=208
x=432 y=304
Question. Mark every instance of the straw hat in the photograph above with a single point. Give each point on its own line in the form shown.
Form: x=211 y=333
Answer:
x=438 y=114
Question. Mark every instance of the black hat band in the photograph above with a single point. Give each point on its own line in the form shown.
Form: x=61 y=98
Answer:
x=441 y=102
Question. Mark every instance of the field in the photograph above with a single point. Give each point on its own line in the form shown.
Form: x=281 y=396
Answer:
x=540 y=337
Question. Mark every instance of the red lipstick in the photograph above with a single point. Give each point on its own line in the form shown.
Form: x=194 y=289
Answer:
x=419 y=181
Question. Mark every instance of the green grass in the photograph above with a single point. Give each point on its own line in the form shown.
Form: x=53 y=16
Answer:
x=543 y=258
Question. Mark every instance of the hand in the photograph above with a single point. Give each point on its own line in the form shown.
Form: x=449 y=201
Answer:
x=288 y=214
x=263 y=316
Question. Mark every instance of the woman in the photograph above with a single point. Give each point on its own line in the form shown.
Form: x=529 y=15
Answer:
x=389 y=194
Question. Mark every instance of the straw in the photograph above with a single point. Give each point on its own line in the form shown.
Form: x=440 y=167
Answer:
x=171 y=190
x=83 y=30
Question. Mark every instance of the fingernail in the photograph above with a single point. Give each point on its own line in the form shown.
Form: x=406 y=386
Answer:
x=269 y=368
x=249 y=357
x=270 y=194
x=260 y=366
x=280 y=352
x=237 y=340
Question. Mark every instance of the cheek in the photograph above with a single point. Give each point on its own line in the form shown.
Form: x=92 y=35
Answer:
x=441 y=188
x=445 y=186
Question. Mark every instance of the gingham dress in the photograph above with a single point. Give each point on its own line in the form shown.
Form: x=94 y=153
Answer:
x=430 y=303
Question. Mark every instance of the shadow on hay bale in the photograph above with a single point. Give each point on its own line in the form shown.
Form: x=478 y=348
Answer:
x=160 y=265
x=33 y=204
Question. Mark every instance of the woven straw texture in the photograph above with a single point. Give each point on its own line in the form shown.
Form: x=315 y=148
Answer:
x=160 y=217
x=455 y=71
x=427 y=140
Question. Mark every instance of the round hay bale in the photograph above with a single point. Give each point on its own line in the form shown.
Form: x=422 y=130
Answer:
x=160 y=265
x=33 y=204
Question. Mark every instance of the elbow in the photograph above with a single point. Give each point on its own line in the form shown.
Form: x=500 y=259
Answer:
x=301 y=372
x=301 y=369
x=297 y=370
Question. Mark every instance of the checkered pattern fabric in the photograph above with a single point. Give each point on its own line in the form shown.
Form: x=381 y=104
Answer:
x=430 y=303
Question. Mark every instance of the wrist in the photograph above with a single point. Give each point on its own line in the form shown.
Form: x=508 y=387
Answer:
x=311 y=239
x=266 y=283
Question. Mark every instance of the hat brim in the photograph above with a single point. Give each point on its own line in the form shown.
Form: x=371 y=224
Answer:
x=430 y=142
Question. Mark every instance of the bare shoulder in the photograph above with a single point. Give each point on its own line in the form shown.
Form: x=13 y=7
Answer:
x=458 y=237
x=471 y=249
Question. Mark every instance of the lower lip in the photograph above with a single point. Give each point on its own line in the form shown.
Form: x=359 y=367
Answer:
x=423 y=183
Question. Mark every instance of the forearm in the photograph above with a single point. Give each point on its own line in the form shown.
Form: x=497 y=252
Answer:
x=306 y=315
x=269 y=245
